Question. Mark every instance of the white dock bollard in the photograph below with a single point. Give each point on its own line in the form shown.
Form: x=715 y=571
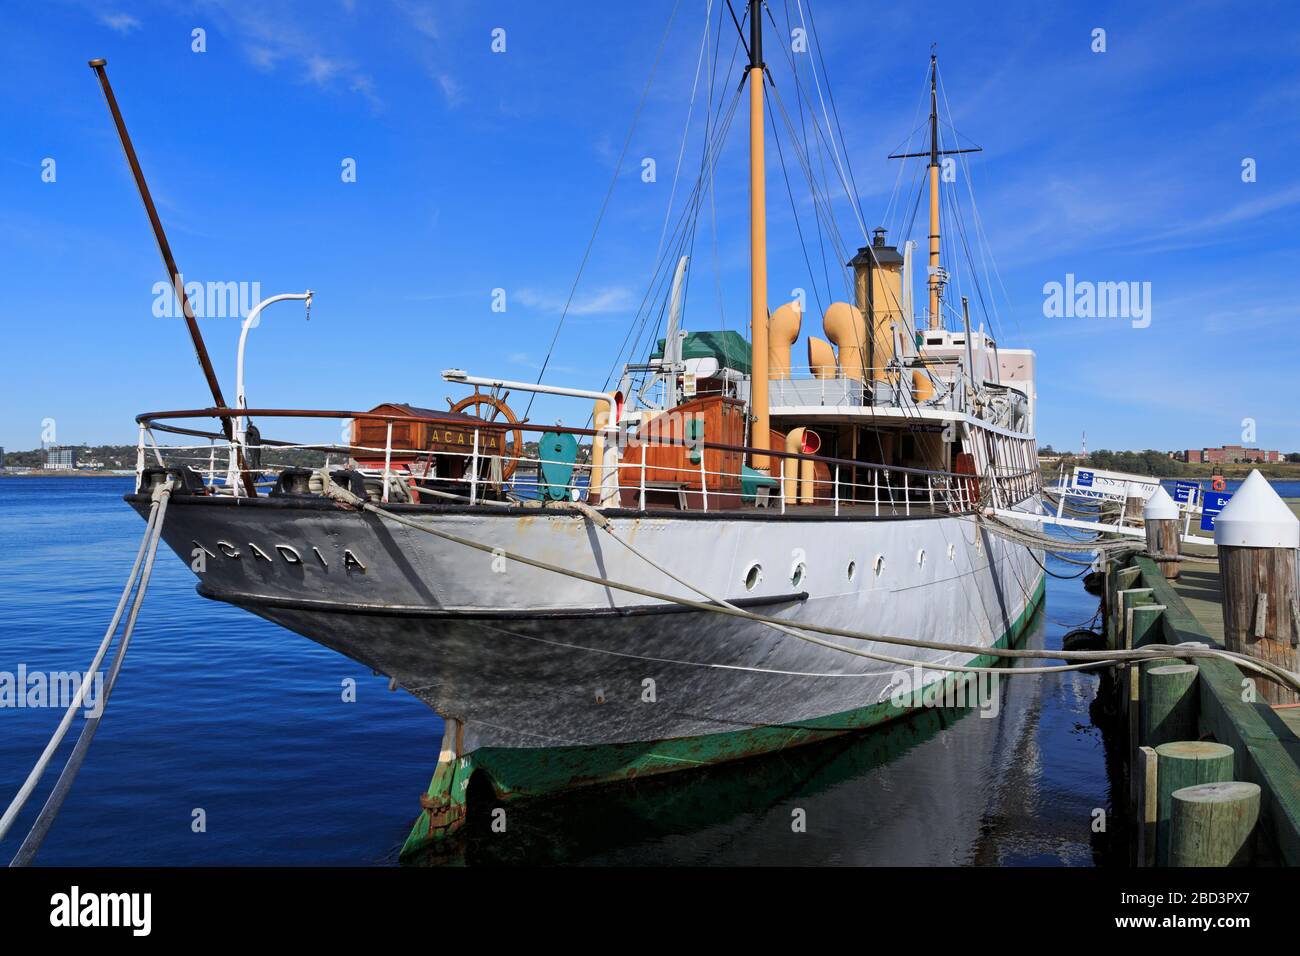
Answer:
x=1257 y=536
x=1160 y=516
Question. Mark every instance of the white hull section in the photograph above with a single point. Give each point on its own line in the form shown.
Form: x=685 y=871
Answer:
x=531 y=658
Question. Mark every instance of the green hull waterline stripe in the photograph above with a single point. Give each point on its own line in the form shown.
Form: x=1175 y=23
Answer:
x=530 y=772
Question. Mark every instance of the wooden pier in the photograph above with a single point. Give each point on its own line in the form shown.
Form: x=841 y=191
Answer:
x=1236 y=766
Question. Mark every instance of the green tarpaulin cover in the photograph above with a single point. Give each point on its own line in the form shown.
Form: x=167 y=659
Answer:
x=729 y=348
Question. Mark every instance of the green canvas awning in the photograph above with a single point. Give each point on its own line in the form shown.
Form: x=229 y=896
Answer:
x=729 y=349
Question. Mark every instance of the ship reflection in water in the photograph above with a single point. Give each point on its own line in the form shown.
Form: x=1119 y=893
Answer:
x=943 y=787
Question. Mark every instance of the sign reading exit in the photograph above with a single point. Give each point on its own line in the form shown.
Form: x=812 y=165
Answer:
x=1215 y=501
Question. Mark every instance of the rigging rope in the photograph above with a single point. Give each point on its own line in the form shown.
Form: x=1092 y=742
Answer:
x=600 y=216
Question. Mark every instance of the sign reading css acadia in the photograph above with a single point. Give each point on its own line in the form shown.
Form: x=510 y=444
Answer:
x=102 y=909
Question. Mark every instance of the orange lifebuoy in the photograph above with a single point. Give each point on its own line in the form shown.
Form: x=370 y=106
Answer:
x=1218 y=484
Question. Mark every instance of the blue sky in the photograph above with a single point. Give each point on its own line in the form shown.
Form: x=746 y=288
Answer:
x=479 y=170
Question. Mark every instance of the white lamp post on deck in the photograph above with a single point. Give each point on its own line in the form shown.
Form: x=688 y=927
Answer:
x=241 y=401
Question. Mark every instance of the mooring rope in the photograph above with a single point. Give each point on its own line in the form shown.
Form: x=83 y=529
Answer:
x=1093 y=659
x=148 y=549
x=1046 y=542
x=1194 y=558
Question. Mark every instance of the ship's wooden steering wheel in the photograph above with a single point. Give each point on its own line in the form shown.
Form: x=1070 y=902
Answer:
x=497 y=406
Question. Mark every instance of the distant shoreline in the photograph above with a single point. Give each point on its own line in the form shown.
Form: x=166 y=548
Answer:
x=97 y=473
x=1203 y=471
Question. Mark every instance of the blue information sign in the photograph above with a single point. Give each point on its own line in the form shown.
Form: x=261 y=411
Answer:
x=1215 y=501
x=1185 y=491
x=1083 y=479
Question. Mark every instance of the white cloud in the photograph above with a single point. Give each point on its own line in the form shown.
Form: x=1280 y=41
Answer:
x=450 y=88
x=270 y=40
x=599 y=302
x=122 y=23
x=321 y=70
x=420 y=16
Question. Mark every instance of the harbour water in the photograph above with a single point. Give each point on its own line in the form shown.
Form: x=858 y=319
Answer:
x=228 y=720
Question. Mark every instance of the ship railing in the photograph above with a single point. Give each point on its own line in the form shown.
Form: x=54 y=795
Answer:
x=833 y=387
x=796 y=481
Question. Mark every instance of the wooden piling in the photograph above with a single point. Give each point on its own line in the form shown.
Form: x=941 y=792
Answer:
x=1133 y=511
x=1257 y=536
x=1181 y=764
x=1160 y=516
x=1148 y=804
x=1168 y=703
x=1213 y=824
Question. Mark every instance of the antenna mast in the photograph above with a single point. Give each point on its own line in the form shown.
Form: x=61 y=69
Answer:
x=937 y=276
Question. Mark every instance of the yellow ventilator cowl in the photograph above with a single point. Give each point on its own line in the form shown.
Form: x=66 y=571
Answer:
x=798 y=477
x=922 y=386
x=845 y=327
x=783 y=331
x=821 y=358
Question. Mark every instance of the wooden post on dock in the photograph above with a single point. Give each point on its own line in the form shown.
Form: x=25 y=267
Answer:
x=1168 y=702
x=1147 y=808
x=1133 y=506
x=1161 y=522
x=1213 y=824
x=1185 y=763
x=1257 y=537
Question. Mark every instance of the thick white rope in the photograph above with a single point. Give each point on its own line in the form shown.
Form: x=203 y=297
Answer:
x=32 y=842
x=25 y=791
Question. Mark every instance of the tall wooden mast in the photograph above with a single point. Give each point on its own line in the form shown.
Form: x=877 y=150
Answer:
x=936 y=278
x=936 y=283
x=758 y=401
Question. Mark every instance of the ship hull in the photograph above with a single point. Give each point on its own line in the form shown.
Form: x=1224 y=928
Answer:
x=548 y=682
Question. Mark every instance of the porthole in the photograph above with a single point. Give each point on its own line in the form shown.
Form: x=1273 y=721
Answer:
x=852 y=571
x=798 y=573
x=753 y=576
x=952 y=552
x=920 y=558
x=879 y=566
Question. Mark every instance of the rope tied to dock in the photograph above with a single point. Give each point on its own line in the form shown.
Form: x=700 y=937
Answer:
x=1193 y=558
x=137 y=581
x=799 y=630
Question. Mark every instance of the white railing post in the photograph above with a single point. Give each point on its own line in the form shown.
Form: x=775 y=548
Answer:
x=837 y=491
x=643 y=454
x=388 y=458
x=704 y=481
x=473 y=472
x=907 y=496
x=875 y=488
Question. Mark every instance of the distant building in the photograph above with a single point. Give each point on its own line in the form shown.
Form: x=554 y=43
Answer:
x=1230 y=454
x=60 y=459
x=2 y=457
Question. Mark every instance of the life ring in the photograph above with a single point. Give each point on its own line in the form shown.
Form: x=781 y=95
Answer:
x=1218 y=484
